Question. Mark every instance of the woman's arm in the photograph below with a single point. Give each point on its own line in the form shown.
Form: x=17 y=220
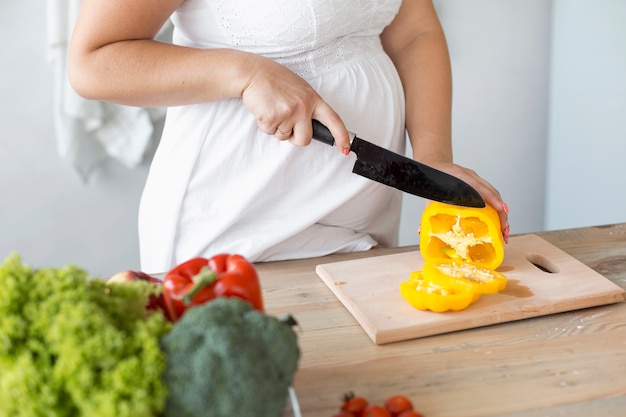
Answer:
x=113 y=57
x=416 y=44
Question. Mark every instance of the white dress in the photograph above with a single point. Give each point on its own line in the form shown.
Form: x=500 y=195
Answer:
x=218 y=184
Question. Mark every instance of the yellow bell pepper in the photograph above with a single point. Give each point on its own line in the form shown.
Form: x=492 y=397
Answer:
x=464 y=277
x=426 y=295
x=461 y=247
x=467 y=234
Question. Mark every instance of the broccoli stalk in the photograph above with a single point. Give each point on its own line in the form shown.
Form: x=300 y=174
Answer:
x=224 y=358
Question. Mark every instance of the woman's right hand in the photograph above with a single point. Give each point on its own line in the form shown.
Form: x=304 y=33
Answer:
x=284 y=105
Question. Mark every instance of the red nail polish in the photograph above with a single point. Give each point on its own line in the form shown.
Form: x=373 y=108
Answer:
x=346 y=151
x=505 y=234
x=505 y=207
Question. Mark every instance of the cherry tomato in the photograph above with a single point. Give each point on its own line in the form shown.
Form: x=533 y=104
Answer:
x=373 y=410
x=353 y=404
x=410 y=413
x=397 y=404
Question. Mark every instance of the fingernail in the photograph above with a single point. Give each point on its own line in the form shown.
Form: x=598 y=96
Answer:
x=505 y=207
x=419 y=229
x=505 y=234
x=346 y=151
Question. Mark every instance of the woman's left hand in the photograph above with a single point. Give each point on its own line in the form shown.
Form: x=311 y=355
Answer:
x=487 y=191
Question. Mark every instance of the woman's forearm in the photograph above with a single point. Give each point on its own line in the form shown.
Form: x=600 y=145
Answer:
x=113 y=57
x=417 y=46
x=151 y=73
x=428 y=93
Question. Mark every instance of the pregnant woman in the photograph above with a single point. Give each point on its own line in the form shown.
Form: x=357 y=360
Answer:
x=242 y=80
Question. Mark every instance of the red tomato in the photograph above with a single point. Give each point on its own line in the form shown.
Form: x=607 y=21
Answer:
x=353 y=404
x=375 y=411
x=410 y=413
x=397 y=404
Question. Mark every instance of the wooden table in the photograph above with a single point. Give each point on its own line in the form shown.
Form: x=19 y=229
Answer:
x=567 y=364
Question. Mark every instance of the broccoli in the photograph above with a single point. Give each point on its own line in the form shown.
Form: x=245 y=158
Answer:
x=226 y=359
x=71 y=345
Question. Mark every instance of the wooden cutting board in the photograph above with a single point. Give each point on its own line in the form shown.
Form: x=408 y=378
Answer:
x=542 y=279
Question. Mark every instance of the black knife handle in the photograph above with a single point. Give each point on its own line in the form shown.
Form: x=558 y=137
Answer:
x=321 y=133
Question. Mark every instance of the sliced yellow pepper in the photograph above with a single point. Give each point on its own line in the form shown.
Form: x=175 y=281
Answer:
x=426 y=295
x=463 y=277
x=465 y=234
x=461 y=247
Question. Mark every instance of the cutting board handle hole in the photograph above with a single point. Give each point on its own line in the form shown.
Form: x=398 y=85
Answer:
x=542 y=263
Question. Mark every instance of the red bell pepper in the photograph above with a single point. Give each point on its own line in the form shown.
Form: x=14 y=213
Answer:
x=200 y=280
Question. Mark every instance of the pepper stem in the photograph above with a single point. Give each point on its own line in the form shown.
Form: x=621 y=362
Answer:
x=205 y=277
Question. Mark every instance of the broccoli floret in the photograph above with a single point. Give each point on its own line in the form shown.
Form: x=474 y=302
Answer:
x=72 y=346
x=226 y=359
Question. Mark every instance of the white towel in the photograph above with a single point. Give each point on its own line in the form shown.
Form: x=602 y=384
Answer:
x=87 y=131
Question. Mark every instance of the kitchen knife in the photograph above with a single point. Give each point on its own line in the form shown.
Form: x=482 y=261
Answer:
x=389 y=168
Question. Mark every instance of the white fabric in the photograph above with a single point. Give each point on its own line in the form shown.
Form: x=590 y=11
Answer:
x=88 y=132
x=218 y=184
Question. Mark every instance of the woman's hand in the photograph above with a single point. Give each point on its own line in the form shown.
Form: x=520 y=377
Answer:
x=284 y=105
x=487 y=191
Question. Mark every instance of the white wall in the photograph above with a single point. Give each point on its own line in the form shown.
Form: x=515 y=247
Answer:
x=47 y=213
x=587 y=173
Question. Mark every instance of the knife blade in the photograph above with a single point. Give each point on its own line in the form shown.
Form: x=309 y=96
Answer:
x=405 y=174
